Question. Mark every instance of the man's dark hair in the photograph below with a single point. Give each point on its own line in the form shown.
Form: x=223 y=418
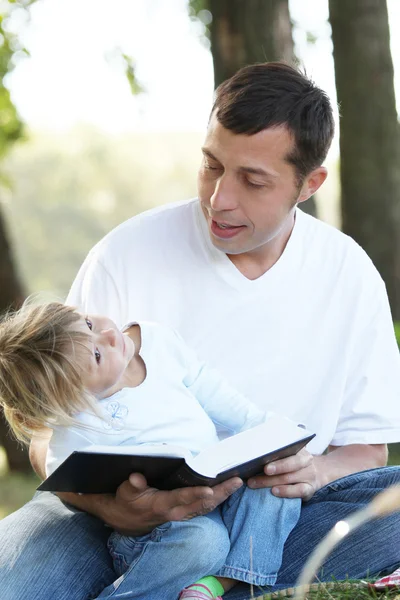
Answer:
x=271 y=94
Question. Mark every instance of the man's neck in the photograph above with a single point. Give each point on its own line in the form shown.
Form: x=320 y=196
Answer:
x=254 y=264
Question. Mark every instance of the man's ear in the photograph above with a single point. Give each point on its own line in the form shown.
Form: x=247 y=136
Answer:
x=312 y=183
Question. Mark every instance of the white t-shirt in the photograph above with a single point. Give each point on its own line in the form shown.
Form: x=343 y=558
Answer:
x=311 y=339
x=178 y=403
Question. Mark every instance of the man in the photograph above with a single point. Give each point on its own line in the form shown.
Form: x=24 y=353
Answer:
x=289 y=309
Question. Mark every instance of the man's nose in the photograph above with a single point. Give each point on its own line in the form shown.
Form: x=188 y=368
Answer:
x=110 y=336
x=224 y=195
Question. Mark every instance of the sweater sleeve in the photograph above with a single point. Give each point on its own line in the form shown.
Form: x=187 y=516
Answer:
x=63 y=442
x=223 y=403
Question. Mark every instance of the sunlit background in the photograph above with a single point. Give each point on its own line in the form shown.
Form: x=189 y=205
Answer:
x=74 y=76
x=97 y=154
x=94 y=154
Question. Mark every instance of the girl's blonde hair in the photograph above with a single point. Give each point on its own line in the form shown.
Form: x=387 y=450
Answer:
x=40 y=380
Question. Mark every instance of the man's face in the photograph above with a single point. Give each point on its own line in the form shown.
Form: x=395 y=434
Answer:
x=248 y=190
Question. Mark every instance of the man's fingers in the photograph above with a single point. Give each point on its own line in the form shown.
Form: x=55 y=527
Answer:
x=204 y=496
x=288 y=465
x=223 y=490
x=133 y=488
x=138 y=482
x=175 y=505
x=260 y=481
x=297 y=479
x=208 y=499
x=301 y=490
x=184 y=496
x=185 y=512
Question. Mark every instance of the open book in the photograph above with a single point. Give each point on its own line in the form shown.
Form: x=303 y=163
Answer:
x=101 y=469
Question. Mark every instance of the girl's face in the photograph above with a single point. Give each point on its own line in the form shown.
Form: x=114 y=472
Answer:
x=109 y=353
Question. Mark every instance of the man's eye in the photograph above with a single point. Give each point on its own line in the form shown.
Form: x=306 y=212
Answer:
x=211 y=167
x=97 y=356
x=89 y=323
x=255 y=185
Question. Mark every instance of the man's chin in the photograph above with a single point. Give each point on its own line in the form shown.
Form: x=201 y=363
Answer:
x=227 y=246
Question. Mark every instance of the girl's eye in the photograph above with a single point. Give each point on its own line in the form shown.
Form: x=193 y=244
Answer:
x=97 y=356
x=89 y=324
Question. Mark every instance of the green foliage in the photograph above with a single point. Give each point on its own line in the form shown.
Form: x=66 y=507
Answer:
x=196 y=7
x=134 y=84
x=11 y=50
x=351 y=590
x=394 y=454
x=127 y=63
x=397 y=331
x=15 y=491
x=199 y=12
x=69 y=190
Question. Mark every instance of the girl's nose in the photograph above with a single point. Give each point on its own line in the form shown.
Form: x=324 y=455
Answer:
x=110 y=336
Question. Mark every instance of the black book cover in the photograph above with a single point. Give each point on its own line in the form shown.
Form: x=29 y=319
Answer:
x=101 y=473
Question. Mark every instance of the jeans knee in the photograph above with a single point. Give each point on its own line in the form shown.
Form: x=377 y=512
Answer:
x=209 y=543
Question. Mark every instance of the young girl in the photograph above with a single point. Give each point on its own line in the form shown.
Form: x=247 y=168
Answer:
x=94 y=384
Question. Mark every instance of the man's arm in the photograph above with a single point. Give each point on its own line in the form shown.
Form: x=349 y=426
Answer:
x=136 y=509
x=38 y=451
x=300 y=476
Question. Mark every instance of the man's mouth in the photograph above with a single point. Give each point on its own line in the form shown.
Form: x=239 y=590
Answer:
x=225 y=230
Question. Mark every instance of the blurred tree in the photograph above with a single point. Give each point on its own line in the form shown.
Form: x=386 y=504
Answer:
x=369 y=134
x=69 y=189
x=243 y=32
x=11 y=129
x=248 y=31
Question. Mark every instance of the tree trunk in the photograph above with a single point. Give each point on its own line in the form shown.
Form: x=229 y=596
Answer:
x=249 y=31
x=11 y=296
x=244 y=32
x=17 y=455
x=369 y=134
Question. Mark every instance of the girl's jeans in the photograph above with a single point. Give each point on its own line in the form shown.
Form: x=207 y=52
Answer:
x=49 y=550
x=242 y=539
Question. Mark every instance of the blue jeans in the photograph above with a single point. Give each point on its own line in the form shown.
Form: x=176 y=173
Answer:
x=242 y=539
x=48 y=550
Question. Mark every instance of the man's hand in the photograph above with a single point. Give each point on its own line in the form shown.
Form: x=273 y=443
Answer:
x=292 y=477
x=300 y=476
x=136 y=508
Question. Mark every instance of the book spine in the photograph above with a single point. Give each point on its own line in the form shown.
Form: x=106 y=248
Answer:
x=186 y=477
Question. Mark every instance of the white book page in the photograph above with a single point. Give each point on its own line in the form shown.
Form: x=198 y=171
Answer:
x=275 y=433
x=142 y=450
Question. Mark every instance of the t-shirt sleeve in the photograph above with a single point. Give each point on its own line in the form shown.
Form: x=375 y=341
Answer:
x=370 y=410
x=63 y=442
x=94 y=290
x=223 y=404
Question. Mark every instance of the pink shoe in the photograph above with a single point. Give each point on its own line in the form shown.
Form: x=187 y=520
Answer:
x=389 y=582
x=191 y=594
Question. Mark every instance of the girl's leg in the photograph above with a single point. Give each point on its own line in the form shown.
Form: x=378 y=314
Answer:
x=258 y=524
x=159 y=565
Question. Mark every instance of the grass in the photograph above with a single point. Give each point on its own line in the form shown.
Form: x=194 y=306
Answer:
x=16 y=490
x=335 y=591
